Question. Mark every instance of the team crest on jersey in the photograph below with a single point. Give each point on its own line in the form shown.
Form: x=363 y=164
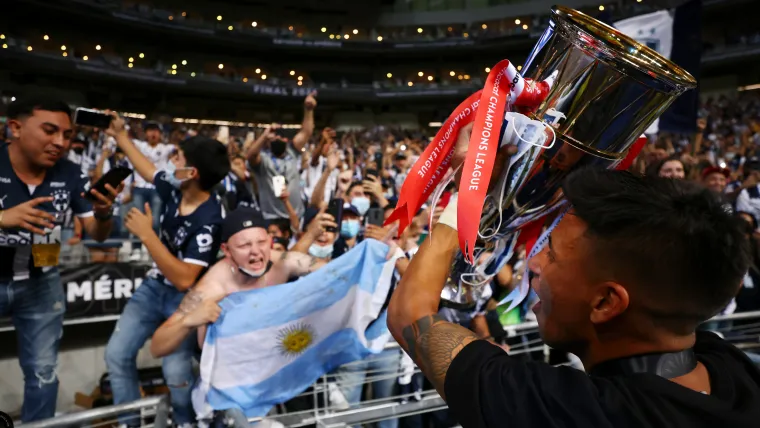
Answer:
x=180 y=236
x=61 y=200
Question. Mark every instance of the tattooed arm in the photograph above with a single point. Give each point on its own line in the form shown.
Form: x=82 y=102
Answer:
x=198 y=308
x=413 y=311
x=291 y=264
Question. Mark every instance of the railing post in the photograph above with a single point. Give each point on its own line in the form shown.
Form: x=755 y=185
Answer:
x=162 y=413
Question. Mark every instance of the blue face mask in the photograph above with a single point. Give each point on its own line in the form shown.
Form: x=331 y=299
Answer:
x=361 y=203
x=171 y=175
x=349 y=228
x=321 y=252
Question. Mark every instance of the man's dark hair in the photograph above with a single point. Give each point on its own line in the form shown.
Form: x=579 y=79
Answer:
x=352 y=185
x=283 y=225
x=25 y=106
x=209 y=157
x=672 y=241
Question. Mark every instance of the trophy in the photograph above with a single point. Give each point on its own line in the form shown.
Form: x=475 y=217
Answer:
x=601 y=90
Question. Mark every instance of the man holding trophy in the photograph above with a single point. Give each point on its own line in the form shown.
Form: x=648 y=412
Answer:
x=628 y=270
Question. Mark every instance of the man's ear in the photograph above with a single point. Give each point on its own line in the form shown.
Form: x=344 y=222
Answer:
x=224 y=249
x=609 y=301
x=15 y=126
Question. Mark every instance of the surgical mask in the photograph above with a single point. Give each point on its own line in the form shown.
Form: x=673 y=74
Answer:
x=321 y=252
x=349 y=228
x=171 y=177
x=361 y=203
x=250 y=273
x=278 y=147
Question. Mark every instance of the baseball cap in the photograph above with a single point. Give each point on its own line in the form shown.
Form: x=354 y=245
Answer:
x=240 y=219
x=713 y=169
x=151 y=125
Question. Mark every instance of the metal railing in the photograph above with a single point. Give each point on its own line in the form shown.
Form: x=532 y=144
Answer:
x=741 y=329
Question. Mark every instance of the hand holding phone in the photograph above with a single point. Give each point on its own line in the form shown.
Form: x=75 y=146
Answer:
x=113 y=177
x=376 y=217
x=278 y=185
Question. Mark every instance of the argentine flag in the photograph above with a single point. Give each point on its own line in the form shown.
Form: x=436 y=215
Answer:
x=270 y=344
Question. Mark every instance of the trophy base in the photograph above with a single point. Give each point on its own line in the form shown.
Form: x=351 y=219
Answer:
x=456 y=297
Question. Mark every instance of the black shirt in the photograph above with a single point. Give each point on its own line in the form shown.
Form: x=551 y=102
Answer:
x=487 y=388
x=63 y=181
x=193 y=238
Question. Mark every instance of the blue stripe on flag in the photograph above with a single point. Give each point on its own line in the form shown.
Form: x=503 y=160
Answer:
x=256 y=400
x=284 y=303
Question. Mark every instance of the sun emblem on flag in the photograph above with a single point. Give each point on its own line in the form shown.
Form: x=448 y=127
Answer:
x=295 y=339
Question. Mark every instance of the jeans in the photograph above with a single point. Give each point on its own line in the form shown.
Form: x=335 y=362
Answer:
x=151 y=304
x=36 y=307
x=140 y=196
x=384 y=366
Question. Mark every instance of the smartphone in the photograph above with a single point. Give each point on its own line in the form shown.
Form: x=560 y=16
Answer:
x=90 y=117
x=379 y=160
x=335 y=209
x=372 y=172
x=114 y=177
x=278 y=185
x=376 y=216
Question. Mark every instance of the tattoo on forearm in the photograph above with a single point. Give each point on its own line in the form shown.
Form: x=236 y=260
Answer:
x=190 y=302
x=433 y=342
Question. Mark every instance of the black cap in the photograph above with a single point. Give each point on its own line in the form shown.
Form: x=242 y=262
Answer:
x=240 y=219
x=152 y=125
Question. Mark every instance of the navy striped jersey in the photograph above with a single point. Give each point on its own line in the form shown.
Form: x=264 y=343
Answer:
x=193 y=238
x=65 y=183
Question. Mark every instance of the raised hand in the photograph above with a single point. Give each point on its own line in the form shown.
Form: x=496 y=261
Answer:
x=27 y=216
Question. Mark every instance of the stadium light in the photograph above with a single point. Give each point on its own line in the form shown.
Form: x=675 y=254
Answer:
x=435 y=124
x=338 y=37
x=466 y=77
x=332 y=36
x=174 y=71
x=430 y=78
x=5 y=46
x=192 y=74
x=517 y=22
x=263 y=77
x=290 y=28
x=484 y=26
x=345 y=36
x=292 y=72
x=519 y=67
x=219 y=17
x=419 y=30
x=130 y=65
x=63 y=47
x=29 y=48
x=389 y=75
x=258 y=70
x=410 y=83
x=300 y=78
x=488 y=69
x=184 y=62
x=355 y=31
x=254 y=24
x=171 y=18
x=45 y=37
x=142 y=55
x=324 y=29
x=221 y=66
x=379 y=38
x=230 y=28
x=601 y=7
x=13 y=99
x=460 y=77
x=300 y=83
x=65 y=54
x=131 y=59
x=466 y=35
x=245 y=80
x=451 y=73
x=2 y=36
x=97 y=47
x=85 y=58
x=184 y=14
x=174 y=66
x=420 y=74
x=525 y=26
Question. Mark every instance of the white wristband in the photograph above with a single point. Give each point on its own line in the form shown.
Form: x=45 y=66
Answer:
x=449 y=216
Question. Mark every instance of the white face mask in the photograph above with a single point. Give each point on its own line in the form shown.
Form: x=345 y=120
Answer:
x=321 y=252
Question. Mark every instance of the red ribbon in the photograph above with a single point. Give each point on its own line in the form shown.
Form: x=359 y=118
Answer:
x=427 y=172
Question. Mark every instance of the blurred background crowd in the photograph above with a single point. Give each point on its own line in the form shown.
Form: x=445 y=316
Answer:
x=367 y=84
